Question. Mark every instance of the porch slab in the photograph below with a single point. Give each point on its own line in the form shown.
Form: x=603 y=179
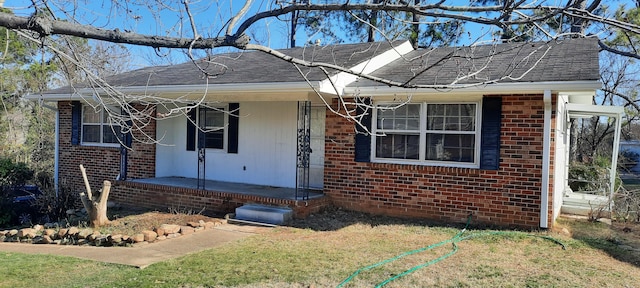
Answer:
x=217 y=199
x=231 y=187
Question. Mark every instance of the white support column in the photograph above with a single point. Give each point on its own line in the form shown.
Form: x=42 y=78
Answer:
x=614 y=160
x=546 y=163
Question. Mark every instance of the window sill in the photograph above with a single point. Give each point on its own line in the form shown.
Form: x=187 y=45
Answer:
x=425 y=163
x=102 y=145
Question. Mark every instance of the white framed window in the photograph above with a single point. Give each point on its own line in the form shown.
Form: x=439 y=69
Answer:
x=98 y=128
x=427 y=133
x=213 y=122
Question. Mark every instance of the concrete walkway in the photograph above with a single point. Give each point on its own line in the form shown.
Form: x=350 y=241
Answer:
x=143 y=255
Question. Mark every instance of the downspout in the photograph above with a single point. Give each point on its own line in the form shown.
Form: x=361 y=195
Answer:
x=56 y=145
x=546 y=163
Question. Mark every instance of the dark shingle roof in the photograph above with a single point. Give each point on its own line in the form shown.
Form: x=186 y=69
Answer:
x=562 y=60
x=247 y=67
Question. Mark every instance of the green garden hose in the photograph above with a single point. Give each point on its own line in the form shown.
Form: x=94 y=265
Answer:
x=454 y=240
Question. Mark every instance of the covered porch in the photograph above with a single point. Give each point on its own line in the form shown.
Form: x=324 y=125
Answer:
x=217 y=198
x=590 y=203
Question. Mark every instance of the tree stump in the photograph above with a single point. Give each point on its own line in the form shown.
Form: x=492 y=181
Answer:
x=96 y=206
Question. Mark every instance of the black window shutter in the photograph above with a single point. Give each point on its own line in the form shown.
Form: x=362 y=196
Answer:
x=76 y=122
x=232 y=141
x=363 y=138
x=191 y=130
x=490 y=133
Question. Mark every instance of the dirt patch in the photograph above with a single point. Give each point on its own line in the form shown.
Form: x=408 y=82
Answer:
x=628 y=232
x=129 y=221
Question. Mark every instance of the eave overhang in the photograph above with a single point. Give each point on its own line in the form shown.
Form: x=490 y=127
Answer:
x=581 y=88
x=282 y=91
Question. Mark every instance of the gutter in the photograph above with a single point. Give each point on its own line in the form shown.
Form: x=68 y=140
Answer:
x=546 y=163
x=183 y=91
x=56 y=146
x=498 y=88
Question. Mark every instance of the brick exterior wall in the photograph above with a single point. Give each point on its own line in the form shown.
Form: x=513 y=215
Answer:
x=101 y=163
x=509 y=196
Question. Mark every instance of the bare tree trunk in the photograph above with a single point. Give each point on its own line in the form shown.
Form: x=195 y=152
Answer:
x=96 y=207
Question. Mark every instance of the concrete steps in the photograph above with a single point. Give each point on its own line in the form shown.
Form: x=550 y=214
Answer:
x=583 y=204
x=264 y=214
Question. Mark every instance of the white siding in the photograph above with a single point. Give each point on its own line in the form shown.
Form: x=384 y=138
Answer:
x=266 y=149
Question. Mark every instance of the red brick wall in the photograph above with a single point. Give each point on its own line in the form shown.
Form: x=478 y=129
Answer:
x=509 y=196
x=101 y=163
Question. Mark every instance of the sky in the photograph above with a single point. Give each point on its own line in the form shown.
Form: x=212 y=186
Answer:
x=210 y=17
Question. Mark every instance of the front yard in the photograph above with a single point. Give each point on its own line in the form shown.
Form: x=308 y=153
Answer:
x=329 y=247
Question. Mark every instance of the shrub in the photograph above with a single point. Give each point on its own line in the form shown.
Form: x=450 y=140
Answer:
x=11 y=174
x=588 y=178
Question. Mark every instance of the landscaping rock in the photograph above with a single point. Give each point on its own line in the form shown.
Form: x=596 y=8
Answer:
x=115 y=239
x=173 y=235
x=42 y=240
x=85 y=233
x=47 y=239
x=4 y=232
x=3 y=238
x=49 y=232
x=149 y=236
x=170 y=228
x=38 y=227
x=95 y=235
x=193 y=224
x=27 y=232
x=138 y=238
x=210 y=225
x=201 y=223
x=160 y=231
x=13 y=232
x=62 y=232
x=73 y=231
x=186 y=230
x=82 y=242
x=198 y=229
x=161 y=237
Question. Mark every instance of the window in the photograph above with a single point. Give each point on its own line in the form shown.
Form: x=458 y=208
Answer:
x=212 y=122
x=427 y=133
x=97 y=127
x=220 y=128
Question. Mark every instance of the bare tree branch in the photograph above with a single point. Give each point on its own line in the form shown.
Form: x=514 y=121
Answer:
x=46 y=26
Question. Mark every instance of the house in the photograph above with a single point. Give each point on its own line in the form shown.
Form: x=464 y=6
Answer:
x=444 y=148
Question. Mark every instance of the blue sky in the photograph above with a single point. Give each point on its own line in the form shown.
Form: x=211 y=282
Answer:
x=211 y=15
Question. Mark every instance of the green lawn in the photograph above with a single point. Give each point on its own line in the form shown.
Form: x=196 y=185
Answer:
x=298 y=257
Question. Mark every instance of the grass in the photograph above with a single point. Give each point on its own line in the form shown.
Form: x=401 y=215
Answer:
x=304 y=257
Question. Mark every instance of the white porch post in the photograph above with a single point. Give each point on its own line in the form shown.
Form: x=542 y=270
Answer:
x=546 y=163
x=614 y=160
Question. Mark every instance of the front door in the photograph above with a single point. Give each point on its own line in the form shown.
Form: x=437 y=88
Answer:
x=316 y=159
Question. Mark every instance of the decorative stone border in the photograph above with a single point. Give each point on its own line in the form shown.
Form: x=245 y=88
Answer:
x=38 y=234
